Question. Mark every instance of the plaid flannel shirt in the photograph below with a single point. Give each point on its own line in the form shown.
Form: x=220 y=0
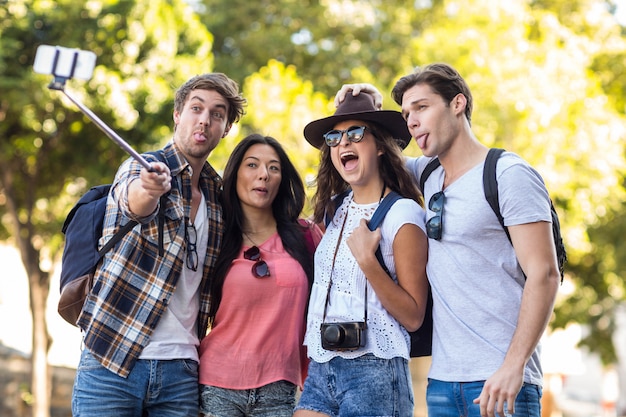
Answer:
x=133 y=284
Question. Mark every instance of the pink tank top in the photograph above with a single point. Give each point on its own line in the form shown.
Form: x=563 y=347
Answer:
x=259 y=327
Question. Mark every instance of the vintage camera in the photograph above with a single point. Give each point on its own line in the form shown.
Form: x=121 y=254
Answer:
x=64 y=63
x=343 y=336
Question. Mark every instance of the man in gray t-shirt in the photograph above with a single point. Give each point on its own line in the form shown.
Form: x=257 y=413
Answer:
x=488 y=315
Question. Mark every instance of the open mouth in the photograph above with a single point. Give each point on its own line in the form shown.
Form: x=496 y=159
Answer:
x=199 y=135
x=349 y=160
x=421 y=140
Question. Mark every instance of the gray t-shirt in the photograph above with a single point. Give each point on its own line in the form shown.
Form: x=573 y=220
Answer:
x=476 y=280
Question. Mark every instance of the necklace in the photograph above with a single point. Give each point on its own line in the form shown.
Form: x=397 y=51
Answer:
x=249 y=238
x=260 y=231
x=382 y=194
x=263 y=243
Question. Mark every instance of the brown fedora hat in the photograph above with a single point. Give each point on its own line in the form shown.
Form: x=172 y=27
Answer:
x=359 y=107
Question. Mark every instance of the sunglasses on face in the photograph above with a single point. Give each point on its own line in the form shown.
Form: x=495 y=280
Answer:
x=434 y=225
x=353 y=133
x=259 y=268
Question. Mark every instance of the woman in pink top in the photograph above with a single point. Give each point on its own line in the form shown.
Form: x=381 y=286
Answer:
x=253 y=358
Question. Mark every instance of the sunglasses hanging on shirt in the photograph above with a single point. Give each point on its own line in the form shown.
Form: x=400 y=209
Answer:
x=434 y=225
x=259 y=268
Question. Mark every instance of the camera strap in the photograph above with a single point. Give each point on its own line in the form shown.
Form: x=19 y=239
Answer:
x=375 y=221
x=330 y=280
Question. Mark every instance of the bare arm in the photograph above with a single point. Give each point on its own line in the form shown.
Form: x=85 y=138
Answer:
x=144 y=192
x=356 y=89
x=535 y=251
x=405 y=301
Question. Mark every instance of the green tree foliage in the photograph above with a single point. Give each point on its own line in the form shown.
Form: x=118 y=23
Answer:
x=145 y=49
x=324 y=40
x=536 y=93
x=284 y=118
x=281 y=104
x=49 y=151
x=599 y=285
x=547 y=78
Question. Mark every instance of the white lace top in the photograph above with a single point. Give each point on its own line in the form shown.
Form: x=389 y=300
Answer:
x=385 y=337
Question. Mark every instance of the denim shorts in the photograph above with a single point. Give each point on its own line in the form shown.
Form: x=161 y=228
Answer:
x=364 y=386
x=272 y=400
x=161 y=388
x=454 y=399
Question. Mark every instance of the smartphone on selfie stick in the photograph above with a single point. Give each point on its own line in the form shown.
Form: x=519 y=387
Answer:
x=67 y=63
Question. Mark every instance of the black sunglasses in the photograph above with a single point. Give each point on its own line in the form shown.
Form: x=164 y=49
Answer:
x=260 y=268
x=434 y=225
x=191 y=238
x=354 y=133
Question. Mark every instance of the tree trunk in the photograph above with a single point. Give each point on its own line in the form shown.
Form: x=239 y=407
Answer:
x=38 y=287
x=619 y=341
x=41 y=379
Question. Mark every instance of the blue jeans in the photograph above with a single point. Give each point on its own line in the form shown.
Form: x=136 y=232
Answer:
x=454 y=399
x=364 y=386
x=272 y=400
x=154 y=388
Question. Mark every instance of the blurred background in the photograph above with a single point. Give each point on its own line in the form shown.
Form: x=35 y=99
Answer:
x=549 y=83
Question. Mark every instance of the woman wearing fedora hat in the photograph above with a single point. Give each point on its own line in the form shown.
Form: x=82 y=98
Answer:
x=359 y=314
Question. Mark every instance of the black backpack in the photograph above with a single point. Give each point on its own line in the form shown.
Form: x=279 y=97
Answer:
x=83 y=229
x=490 y=188
x=422 y=338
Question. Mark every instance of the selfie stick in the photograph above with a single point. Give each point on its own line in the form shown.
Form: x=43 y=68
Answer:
x=59 y=84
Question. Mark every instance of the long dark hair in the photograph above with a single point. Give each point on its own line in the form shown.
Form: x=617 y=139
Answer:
x=286 y=208
x=392 y=170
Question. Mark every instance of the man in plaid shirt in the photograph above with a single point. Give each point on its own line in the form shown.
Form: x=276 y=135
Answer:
x=148 y=309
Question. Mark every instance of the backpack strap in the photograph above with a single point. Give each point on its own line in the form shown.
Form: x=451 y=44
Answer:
x=383 y=208
x=131 y=224
x=430 y=167
x=490 y=185
x=116 y=238
x=308 y=236
x=490 y=182
x=421 y=339
x=377 y=219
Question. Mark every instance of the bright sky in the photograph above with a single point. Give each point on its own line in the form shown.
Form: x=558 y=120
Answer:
x=621 y=12
x=15 y=314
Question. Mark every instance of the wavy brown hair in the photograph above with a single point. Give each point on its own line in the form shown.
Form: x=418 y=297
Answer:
x=392 y=170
